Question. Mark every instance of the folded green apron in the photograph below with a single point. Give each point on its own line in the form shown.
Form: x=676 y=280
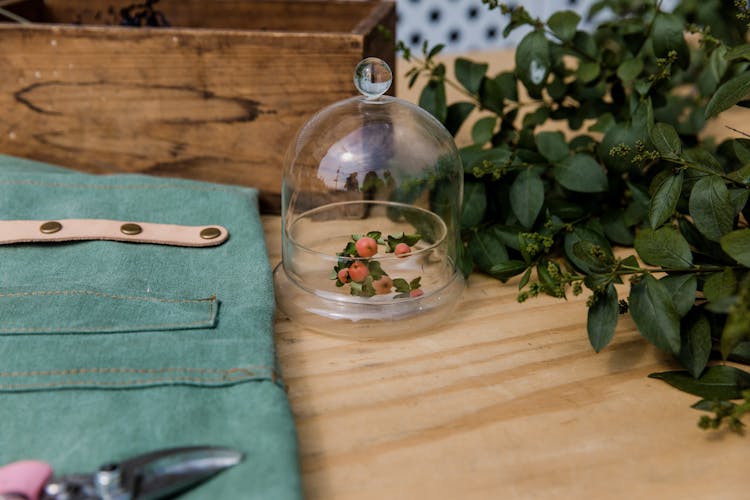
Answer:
x=112 y=349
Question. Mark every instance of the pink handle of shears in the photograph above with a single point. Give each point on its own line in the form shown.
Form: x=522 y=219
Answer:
x=25 y=479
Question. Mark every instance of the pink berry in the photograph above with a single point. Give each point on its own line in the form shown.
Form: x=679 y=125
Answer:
x=402 y=249
x=358 y=271
x=344 y=276
x=416 y=293
x=366 y=247
x=383 y=286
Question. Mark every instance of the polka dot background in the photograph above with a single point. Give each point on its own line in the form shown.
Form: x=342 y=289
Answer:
x=469 y=25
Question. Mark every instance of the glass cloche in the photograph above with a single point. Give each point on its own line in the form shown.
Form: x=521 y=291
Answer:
x=371 y=203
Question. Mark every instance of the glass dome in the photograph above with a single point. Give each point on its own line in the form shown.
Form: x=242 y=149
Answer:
x=371 y=201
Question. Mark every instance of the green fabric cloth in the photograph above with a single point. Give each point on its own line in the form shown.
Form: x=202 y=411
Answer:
x=111 y=349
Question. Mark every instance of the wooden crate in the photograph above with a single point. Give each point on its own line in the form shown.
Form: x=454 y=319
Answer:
x=217 y=96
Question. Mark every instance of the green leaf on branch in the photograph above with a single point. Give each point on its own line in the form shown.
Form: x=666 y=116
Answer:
x=737 y=245
x=602 y=318
x=587 y=72
x=585 y=44
x=550 y=285
x=664 y=201
x=682 y=288
x=483 y=129
x=666 y=140
x=737 y=327
x=664 y=247
x=506 y=270
x=741 y=149
x=518 y=17
x=582 y=238
x=637 y=209
x=646 y=167
x=533 y=62
x=736 y=330
x=696 y=343
x=474 y=157
x=527 y=197
x=603 y=123
x=720 y=285
x=742 y=174
x=564 y=24
x=716 y=383
x=729 y=94
x=738 y=197
x=487 y=249
x=456 y=115
x=552 y=146
x=508 y=85
x=475 y=204
x=595 y=258
x=435 y=50
x=616 y=136
x=630 y=69
x=492 y=95
x=739 y=52
x=711 y=207
x=654 y=314
x=718 y=63
x=668 y=35
x=616 y=229
x=433 y=100
x=581 y=173
x=470 y=74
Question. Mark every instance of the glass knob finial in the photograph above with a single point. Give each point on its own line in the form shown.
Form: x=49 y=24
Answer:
x=373 y=77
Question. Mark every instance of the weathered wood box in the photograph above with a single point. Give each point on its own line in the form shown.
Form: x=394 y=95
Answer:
x=216 y=96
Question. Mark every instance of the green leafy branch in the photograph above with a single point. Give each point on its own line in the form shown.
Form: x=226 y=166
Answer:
x=635 y=170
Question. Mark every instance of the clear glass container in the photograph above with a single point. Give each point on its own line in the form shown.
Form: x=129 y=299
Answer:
x=371 y=201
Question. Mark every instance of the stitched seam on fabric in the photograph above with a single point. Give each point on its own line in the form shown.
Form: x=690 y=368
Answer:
x=103 y=329
x=105 y=295
x=86 y=371
x=72 y=383
x=98 y=186
x=248 y=374
x=109 y=328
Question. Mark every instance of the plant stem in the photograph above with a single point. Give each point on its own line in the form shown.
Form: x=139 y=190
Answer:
x=428 y=66
x=692 y=270
x=708 y=171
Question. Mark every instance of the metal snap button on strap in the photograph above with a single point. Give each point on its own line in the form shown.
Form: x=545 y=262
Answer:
x=131 y=229
x=50 y=227
x=210 y=233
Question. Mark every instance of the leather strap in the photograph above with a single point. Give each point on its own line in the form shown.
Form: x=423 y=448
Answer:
x=42 y=231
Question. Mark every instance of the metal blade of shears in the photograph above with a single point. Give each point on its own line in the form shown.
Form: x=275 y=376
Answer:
x=166 y=473
x=157 y=475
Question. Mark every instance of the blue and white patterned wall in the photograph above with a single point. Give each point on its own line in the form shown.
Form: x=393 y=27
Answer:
x=469 y=25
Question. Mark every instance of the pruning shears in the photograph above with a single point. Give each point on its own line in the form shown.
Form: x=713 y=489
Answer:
x=160 y=474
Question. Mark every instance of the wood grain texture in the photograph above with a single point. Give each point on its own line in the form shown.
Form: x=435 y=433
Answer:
x=507 y=400
x=277 y=15
x=220 y=105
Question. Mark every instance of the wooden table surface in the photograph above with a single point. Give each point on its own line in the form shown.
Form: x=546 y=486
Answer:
x=506 y=400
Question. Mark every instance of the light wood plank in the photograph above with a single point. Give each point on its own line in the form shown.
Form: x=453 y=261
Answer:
x=506 y=400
